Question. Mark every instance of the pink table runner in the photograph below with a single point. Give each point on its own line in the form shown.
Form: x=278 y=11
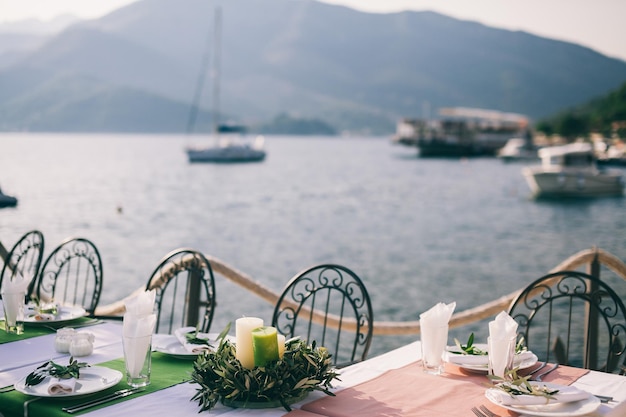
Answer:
x=408 y=392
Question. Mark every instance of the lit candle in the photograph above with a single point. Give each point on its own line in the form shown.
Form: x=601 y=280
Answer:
x=243 y=340
x=281 y=346
x=265 y=345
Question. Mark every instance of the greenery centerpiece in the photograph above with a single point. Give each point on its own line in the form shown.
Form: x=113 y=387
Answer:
x=302 y=369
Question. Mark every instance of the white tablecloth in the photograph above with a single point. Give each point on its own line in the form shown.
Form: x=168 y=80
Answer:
x=17 y=360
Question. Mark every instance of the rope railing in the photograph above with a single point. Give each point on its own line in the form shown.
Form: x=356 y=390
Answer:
x=388 y=328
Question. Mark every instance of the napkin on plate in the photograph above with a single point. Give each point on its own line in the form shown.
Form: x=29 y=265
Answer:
x=502 y=332
x=433 y=325
x=566 y=394
x=191 y=347
x=58 y=386
x=138 y=326
x=461 y=359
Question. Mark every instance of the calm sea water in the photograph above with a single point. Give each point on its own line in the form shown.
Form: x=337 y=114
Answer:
x=417 y=231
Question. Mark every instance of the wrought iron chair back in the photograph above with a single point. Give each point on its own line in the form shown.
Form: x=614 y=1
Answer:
x=185 y=291
x=328 y=304
x=24 y=259
x=572 y=318
x=72 y=275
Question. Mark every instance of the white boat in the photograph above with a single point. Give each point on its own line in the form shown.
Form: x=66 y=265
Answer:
x=229 y=145
x=518 y=149
x=7 y=200
x=571 y=171
x=228 y=151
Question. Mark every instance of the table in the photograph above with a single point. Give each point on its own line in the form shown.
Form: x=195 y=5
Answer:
x=18 y=358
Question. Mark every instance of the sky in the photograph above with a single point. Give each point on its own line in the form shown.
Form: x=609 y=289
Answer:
x=598 y=24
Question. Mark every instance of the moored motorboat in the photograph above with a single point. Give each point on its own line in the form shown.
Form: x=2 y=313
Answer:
x=518 y=149
x=571 y=171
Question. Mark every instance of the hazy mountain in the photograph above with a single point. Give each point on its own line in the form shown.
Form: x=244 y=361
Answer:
x=350 y=70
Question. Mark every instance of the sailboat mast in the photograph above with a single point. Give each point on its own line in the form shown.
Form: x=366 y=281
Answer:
x=215 y=113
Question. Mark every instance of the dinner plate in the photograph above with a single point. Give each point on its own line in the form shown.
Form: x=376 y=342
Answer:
x=67 y=313
x=92 y=379
x=169 y=344
x=571 y=409
x=479 y=363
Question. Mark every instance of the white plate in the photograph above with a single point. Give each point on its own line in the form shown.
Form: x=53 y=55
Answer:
x=169 y=344
x=479 y=363
x=68 y=313
x=571 y=409
x=92 y=379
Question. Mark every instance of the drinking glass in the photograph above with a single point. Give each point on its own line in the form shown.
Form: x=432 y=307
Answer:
x=434 y=339
x=13 y=303
x=138 y=359
x=501 y=355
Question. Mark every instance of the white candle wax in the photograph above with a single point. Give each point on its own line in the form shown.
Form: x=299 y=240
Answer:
x=243 y=340
x=281 y=346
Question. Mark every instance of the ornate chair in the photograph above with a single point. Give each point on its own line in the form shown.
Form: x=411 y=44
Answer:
x=185 y=291
x=72 y=275
x=327 y=304
x=24 y=259
x=572 y=318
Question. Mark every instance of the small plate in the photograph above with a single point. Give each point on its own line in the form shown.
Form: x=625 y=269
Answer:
x=571 y=409
x=92 y=379
x=479 y=363
x=170 y=345
x=67 y=313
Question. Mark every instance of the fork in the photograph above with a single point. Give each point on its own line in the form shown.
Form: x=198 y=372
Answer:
x=488 y=412
x=478 y=413
x=7 y=388
x=541 y=375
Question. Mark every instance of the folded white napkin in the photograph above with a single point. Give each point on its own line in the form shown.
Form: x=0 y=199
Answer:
x=58 y=386
x=19 y=283
x=190 y=347
x=434 y=331
x=502 y=332
x=437 y=315
x=566 y=394
x=460 y=359
x=138 y=326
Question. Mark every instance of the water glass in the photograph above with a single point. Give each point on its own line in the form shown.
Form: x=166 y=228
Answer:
x=13 y=304
x=434 y=339
x=137 y=359
x=501 y=355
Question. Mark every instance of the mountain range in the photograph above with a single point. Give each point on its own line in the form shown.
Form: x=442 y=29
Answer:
x=138 y=68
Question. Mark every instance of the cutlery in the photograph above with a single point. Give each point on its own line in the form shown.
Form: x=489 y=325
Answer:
x=91 y=322
x=603 y=398
x=8 y=388
x=488 y=412
x=92 y=403
x=544 y=373
x=538 y=368
x=477 y=412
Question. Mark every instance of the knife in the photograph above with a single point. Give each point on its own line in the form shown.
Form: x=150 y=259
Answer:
x=92 y=403
x=538 y=368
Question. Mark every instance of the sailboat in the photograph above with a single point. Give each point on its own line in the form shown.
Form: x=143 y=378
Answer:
x=228 y=147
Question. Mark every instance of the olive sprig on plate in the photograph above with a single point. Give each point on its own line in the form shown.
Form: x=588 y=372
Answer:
x=56 y=370
x=520 y=385
x=469 y=348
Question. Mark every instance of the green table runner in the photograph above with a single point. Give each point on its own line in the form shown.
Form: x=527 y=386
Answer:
x=29 y=331
x=166 y=372
x=43 y=328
